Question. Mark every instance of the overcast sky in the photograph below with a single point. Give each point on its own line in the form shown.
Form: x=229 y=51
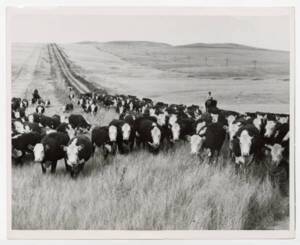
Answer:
x=260 y=31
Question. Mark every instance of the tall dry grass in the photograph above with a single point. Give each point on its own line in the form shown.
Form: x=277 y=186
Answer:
x=171 y=190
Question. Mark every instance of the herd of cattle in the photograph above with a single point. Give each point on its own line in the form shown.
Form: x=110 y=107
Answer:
x=252 y=137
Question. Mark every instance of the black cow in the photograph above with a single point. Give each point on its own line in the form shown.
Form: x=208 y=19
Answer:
x=79 y=151
x=15 y=103
x=247 y=143
x=100 y=138
x=67 y=129
x=18 y=114
x=68 y=107
x=50 y=150
x=51 y=122
x=32 y=127
x=77 y=121
x=210 y=137
x=24 y=143
x=125 y=135
x=148 y=133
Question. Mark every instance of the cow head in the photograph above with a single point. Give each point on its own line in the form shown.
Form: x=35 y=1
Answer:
x=70 y=131
x=283 y=120
x=197 y=141
x=175 y=131
x=215 y=117
x=152 y=112
x=257 y=122
x=155 y=135
x=126 y=130
x=19 y=127
x=161 y=119
x=72 y=153
x=231 y=119
x=93 y=107
x=233 y=129
x=17 y=114
x=276 y=151
x=270 y=126
x=173 y=119
x=31 y=118
x=112 y=132
x=245 y=141
x=27 y=129
x=39 y=152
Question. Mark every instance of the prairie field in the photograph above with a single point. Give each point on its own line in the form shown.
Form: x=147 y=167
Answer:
x=142 y=191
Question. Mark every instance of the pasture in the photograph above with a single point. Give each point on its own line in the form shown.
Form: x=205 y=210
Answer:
x=142 y=191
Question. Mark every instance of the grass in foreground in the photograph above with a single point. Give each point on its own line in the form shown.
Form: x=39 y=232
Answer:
x=142 y=191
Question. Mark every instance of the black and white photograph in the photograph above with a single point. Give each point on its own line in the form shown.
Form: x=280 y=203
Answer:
x=151 y=120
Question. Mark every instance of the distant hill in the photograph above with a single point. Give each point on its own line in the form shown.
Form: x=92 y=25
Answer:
x=139 y=43
x=166 y=45
x=221 y=45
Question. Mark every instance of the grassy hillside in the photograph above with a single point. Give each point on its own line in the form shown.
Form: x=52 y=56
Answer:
x=205 y=60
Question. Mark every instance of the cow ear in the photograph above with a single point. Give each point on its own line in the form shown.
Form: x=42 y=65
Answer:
x=189 y=138
x=47 y=147
x=30 y=147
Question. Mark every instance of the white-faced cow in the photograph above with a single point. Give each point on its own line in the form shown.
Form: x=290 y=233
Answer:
x=79 y=151
x=50 y=150
x=148 y=134
x=211 y=138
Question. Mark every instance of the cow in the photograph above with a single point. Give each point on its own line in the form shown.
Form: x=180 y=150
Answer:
x=19 y=114
x=68 y=107
x=210 y=137
x=33 y=118
x=32 y=127
x=47 y=103
x=50 y=150
x=125 y=135
x=24 y=103
x=51 y=122
x=17 y=127
x=77 y=121
x=40 y=109
x=15 y=103
x=247 y=143
x=24 y=143
x=93 y=108
x=148 y=133
x=79 y=151
x=67 y=129
x=100 y=138
x=182 y=129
